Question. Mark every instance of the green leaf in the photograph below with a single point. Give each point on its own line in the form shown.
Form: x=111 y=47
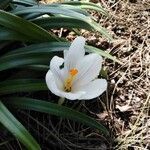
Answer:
x=24 y=27
x=38 y=67
x=8 y=34
x=62 y=22
x=38 y=48
x=69 y=22
x=55 y=109
x=25 y=2
x=22 y=85
x=22 y=59
x=41 y=54
x=102 y=30
x=56 y=9
x=17 y=129
x=51 y=9
x=81 y=5
x=87 y=5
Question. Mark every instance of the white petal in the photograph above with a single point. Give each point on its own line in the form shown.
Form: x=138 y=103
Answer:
x=75 y=53
x=59 y=74
x=65 y=53
x=88 y=69
x=51 y=83
x=93 y=89
x=72 y=96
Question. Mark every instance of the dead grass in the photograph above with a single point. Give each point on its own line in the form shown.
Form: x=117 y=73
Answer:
x=130 y=25
x=138 y=136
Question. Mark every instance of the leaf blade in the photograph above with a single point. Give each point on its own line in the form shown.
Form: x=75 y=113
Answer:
x=55 y=109
x=87 y=5
x=15 y=23
x=17 y=129
x=40 y=54
x=22 y=85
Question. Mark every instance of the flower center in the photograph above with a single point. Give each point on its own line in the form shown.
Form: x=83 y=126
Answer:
x=68 y=83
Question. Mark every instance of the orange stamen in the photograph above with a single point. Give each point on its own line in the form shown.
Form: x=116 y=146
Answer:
x=73 y=72
x=68 y=83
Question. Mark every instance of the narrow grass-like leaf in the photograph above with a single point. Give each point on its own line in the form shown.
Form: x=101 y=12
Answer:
x=87 y=5
x=25 y=2
x=24 y=27
x=50 y=9
x=43 y=52
x=17 y=129
x=38 y=67
x=42 y=47
x=102 y=30
x=62 y=22
x=22 y=85
x=55 y=109
x=72 y=8
x=59 y=10
x=81 y=5
x=65 y=22
x=69 y=22
x=26 y=58
x=9 y=35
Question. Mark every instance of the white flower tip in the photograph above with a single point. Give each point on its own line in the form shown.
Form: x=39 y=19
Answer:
x=97 y=57
x=79 y=39
x=47 y=77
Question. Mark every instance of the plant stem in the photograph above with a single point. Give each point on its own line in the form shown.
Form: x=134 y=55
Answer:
x=61 y=100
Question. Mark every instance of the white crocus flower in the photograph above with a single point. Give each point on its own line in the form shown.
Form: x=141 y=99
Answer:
x=77 y=79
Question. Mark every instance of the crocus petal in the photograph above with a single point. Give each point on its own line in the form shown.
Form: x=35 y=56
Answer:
x=51 y=84
x=65 y=53
x=72 y=96
x=75 y=53
x=93 y=89
x=59 y=74
x=88 y=69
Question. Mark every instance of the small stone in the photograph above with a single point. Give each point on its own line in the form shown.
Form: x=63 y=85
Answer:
x=122 y=97
x=113 y=81
x=137 y=99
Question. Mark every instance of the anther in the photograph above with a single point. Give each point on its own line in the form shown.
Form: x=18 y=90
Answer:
x=73 y=72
